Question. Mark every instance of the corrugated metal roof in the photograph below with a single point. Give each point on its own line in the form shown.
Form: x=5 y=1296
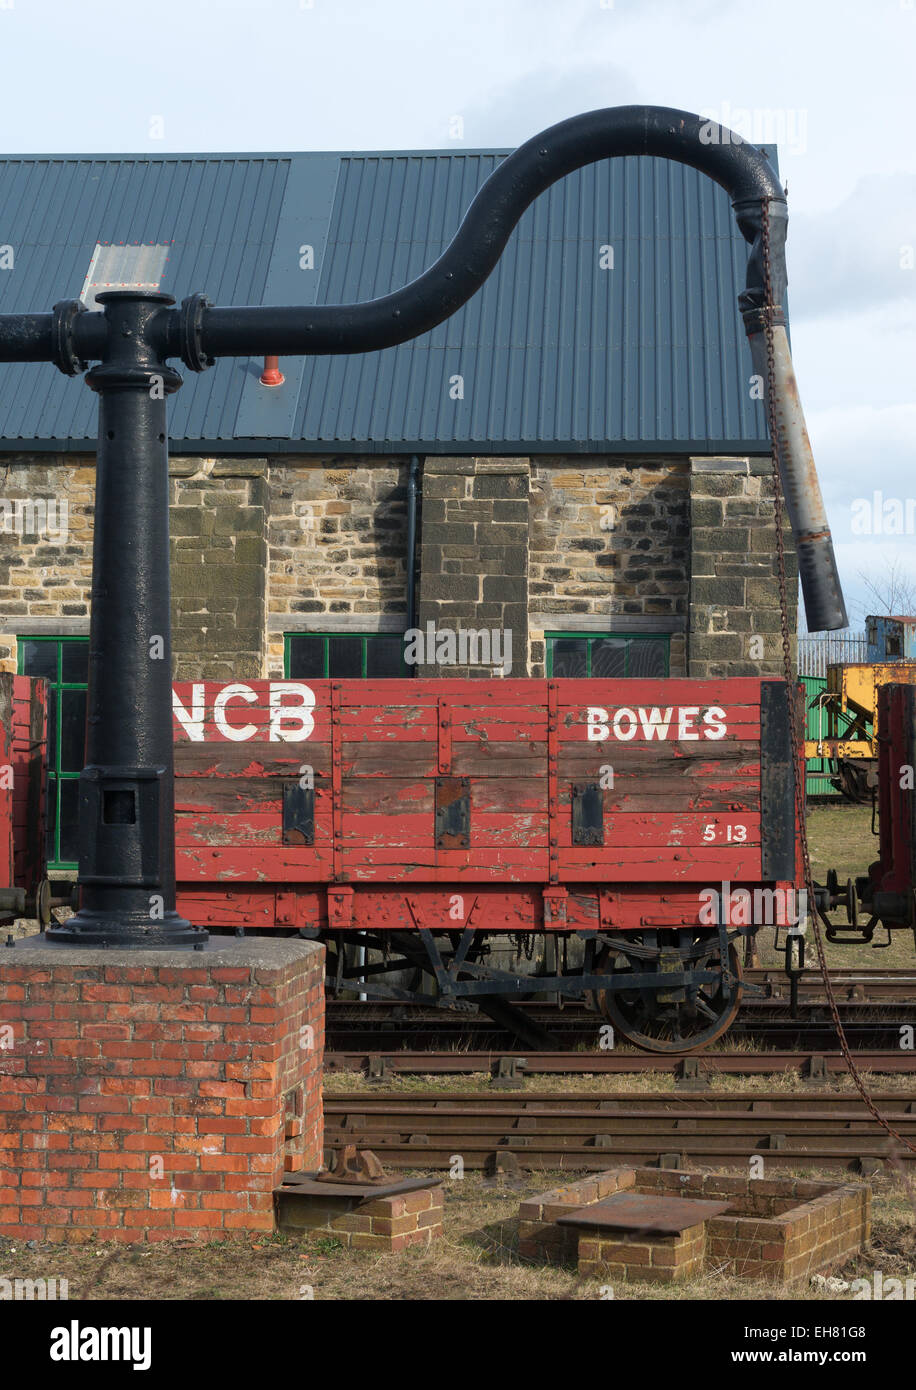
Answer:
x=555 y=352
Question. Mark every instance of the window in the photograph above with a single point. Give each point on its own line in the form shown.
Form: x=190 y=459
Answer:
x=64 y=663
x=593 y=655
x=371 y=656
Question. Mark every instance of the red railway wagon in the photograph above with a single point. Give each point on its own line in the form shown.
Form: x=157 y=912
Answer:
x=649 y=823
x=24 y=888
x=886 y=893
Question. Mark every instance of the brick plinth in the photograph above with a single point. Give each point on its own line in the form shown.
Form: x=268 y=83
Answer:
x=782 y=1229
x=381 y=1224
x=539 y=1236
x=649 y=1259
x=148 y=1095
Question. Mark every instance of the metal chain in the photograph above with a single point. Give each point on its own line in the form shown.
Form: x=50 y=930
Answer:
x=797 y=779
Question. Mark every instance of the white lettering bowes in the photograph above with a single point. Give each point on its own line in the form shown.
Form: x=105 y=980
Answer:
x=688 y=723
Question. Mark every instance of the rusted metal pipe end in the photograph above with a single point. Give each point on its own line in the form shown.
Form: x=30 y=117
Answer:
x=271 y=375
x=825 y=608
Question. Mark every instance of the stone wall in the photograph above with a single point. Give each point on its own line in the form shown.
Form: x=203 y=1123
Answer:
x=45 y=547
x=734 y=596
x=609 y=549
x=474 y=562
x=337 y=538
x=218 y=515
x=263 y=547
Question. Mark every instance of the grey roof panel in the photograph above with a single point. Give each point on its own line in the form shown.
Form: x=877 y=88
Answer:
x=268 y=412
x=555 y=352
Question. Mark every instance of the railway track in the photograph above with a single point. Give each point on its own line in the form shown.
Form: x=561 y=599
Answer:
x=590 y=1133
x=872 y=1003
x=515 y=1066
x=563 y=1031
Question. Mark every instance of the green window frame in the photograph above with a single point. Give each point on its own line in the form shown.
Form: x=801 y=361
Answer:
x=347 y=655
x=49 y=656
x=630 y=649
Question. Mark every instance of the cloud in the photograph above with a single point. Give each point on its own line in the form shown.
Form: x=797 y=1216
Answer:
x=861 y=447
x=859 y=254
x=528 y=104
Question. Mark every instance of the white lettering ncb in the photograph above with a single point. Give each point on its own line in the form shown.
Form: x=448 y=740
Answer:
x=238 y=733
x=192 y=720
x=299 y=715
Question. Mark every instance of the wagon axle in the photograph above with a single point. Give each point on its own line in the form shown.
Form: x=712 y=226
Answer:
x=661 y=996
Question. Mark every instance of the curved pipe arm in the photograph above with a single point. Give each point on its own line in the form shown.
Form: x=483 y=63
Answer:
x=741 y=169
x=198 y=332
x=25 y=338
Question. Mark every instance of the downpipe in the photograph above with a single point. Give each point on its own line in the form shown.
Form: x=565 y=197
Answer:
x=413 y=477
x=825 y=608
x=824 y=605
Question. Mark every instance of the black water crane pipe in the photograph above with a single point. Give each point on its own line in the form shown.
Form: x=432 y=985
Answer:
x=200 y=332
x=127 y=854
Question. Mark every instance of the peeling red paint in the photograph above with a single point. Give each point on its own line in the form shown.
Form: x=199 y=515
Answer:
x=680 y=814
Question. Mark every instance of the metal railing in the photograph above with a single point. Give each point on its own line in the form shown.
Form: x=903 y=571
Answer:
x=818 y=650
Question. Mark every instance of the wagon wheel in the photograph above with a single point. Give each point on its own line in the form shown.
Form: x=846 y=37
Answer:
x=698 y=1016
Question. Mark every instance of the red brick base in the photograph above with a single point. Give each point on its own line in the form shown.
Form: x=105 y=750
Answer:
x=148 y=1095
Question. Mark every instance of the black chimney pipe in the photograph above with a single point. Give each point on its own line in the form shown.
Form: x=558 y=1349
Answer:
x=127 y=877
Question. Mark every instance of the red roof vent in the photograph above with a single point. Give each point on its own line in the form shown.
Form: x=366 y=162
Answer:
x=271 y=375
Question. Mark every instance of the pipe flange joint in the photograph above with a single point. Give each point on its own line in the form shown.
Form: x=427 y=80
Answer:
x=755 y=318
x=63 y=347
x=191 y=319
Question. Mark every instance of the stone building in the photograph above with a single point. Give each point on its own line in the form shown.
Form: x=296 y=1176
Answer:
x=581 y=446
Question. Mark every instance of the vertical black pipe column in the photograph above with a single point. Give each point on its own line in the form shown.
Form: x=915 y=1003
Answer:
x=413 y=474
x=126 y=796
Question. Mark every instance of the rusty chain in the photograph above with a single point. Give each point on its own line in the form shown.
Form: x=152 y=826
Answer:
x=791 y=693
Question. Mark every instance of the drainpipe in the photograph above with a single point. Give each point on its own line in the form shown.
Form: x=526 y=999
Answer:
x=413 y=476
x=824 y=606
x=823 y=595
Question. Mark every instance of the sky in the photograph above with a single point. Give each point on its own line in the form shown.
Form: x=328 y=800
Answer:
x=829 y=81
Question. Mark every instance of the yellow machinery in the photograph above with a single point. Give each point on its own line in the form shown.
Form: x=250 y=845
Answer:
x=846 y=722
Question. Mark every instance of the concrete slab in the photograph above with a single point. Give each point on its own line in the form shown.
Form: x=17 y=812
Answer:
x=269 y=952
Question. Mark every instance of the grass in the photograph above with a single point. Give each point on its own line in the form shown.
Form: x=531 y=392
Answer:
x=840 y=838
x=638 y=1083
x=475 y=1259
